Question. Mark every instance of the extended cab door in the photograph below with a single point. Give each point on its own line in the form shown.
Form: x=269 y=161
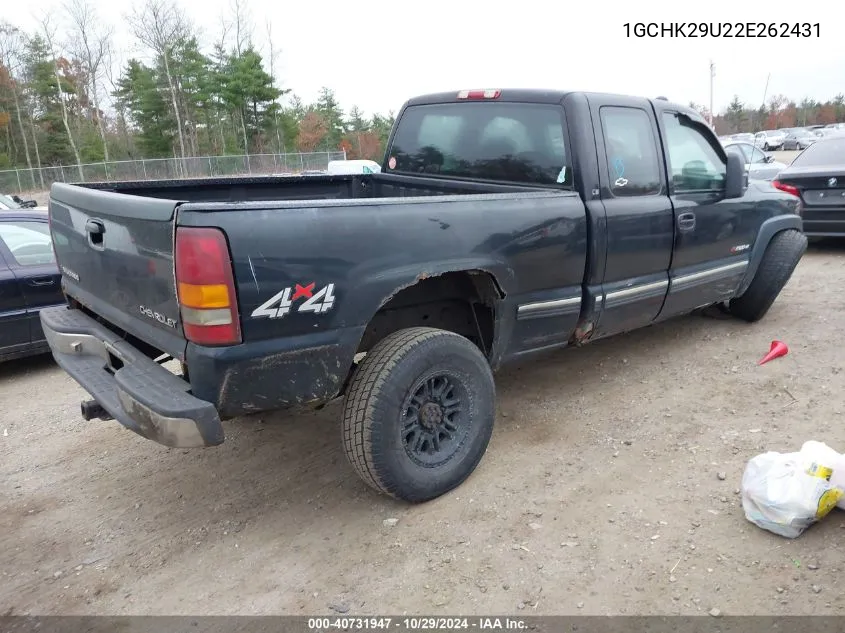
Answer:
x=639 y=225
x=713 y=235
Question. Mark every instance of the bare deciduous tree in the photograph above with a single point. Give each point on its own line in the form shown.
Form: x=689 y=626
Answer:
x=49 y=32
x=123 y=126
x=91 y=45
x=242 y=25
x=160 y=26
x=11 y=46
x=271 y=58
x=220 y=52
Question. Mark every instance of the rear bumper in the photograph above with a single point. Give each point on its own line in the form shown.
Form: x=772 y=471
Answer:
x=824 y=222
x=135 y=390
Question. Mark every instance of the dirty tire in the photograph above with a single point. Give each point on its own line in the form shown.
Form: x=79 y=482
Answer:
x=779 y=261
x=383 y=402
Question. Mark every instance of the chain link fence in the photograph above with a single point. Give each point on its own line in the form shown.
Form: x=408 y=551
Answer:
x=39 y=179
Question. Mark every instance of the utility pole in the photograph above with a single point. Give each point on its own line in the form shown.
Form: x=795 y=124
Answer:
x=765 y=92
x=712 y=75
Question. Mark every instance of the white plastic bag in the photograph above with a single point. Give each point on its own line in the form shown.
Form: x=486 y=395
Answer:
x=786 y=493
x=821 y=453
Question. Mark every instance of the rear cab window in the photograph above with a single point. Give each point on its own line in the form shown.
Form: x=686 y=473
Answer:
x=509 y=142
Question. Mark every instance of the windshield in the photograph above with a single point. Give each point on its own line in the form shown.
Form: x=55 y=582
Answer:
x=822 y=154
x=7 y=203
x=506 y=142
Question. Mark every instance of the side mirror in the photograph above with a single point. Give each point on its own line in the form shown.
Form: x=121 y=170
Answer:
x=735 y=177
x=769 y=158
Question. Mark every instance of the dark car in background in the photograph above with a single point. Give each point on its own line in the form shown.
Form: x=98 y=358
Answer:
x=817 y=176
x=798 y=138
x=29 y=280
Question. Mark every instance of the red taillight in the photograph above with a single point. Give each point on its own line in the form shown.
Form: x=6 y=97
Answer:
x=206 y=287
x=786 y=188
x=479 y=94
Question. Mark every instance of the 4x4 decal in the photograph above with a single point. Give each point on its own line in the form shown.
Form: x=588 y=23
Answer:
x=283 y=301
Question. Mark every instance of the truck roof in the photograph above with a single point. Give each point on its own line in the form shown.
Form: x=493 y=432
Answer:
x=535 y=95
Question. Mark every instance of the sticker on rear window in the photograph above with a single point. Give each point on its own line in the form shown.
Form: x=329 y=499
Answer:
x=392 y=162
x=619 y=166
x=561 y=177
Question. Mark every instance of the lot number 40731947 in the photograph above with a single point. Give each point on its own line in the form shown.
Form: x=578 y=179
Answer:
x=283 y=301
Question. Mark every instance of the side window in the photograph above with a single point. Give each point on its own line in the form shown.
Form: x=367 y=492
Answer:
x=694 y=163
x=29 y=242
x=632 y=160
x=743 y=149
x=757 y=156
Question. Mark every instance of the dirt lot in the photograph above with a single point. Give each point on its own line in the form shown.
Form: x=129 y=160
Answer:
x=599 y=493
x=785 y=156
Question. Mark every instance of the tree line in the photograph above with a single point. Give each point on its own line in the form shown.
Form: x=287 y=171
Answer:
x=780 y=112
x=66 y=98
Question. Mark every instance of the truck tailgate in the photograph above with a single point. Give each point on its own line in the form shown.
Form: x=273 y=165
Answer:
x=115 y=252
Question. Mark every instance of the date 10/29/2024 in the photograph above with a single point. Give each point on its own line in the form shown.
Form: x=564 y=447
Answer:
x=417 y=623
x=722 y=29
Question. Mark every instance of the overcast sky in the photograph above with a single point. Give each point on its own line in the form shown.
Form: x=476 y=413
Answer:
x=376 y=53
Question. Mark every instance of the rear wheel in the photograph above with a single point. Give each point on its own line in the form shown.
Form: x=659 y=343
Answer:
x=419 y=413
x=779 y=261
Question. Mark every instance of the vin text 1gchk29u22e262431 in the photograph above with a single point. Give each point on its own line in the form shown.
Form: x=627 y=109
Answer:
x=722 y=29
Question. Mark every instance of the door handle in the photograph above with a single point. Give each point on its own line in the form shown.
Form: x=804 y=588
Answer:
x=95 y=226
x=95 y=230
x=686 y=221
x=41 y=281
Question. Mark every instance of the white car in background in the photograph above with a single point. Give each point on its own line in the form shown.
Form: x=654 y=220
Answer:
x=346 y=167
x=769 y=140
x=758 y=164
x=10 y=203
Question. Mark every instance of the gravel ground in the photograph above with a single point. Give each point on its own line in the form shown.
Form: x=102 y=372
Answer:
x=601 y=492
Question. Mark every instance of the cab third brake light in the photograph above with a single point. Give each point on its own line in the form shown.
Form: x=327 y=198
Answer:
x=479 y=94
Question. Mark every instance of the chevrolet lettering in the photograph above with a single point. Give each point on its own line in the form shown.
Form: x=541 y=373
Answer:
x=151 y=314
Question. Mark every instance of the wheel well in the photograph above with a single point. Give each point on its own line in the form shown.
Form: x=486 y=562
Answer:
x=461 y=302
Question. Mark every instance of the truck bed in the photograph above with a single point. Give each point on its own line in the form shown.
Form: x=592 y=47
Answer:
x=289 y=188
x=365 y=236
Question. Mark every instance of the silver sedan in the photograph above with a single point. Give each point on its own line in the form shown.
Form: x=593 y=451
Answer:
x=758 y=164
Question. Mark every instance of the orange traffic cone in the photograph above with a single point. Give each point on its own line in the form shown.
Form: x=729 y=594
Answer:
x=778 y=349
